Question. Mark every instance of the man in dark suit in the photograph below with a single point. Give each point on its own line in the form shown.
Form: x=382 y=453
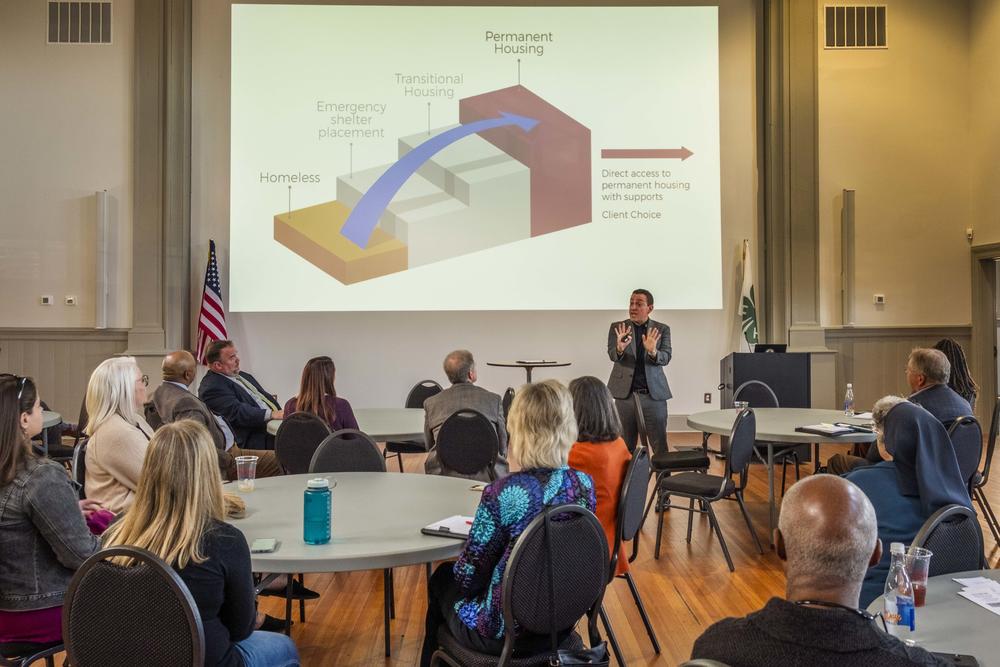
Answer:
x=237 y=397
x=640 y=348
x=927 y=372
x=173 y=400
x=463 y=394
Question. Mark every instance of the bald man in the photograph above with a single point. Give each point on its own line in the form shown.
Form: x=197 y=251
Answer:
x=173 y=400
x=828 y=538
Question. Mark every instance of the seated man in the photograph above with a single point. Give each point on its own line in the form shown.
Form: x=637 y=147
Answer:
x=827 y=537
x=173 y=400
x=927 y=372
x=463 y=394
x=237 y=397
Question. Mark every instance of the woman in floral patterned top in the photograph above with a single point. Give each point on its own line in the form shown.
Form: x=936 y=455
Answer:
x=466 y=595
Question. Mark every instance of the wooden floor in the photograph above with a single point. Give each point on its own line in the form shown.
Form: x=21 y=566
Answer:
x=685 y=591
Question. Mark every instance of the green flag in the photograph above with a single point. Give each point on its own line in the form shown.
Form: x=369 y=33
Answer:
x=748 y=304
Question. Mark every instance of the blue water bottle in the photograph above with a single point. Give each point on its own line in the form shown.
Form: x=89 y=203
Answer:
x=316 y=511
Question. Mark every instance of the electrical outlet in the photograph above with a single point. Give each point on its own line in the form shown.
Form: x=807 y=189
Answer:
x=708 y=397
x=46 y=300
x=70 y=300
x=878 y=299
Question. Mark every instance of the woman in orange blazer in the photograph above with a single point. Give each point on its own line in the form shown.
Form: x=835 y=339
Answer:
x=600 y=452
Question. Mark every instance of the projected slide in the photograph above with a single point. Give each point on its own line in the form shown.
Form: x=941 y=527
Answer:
x=452 y=158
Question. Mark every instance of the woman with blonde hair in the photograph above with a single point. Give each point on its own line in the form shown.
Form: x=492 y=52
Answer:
x=42 y=527
x=317 y=395
x=118 y=433
x=467 y=595
x=178 y=514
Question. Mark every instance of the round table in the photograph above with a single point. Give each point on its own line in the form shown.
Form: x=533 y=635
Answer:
x=948 y=623
x=528 y=365
x=776 y=426
x=382 y=423
x=377 y=519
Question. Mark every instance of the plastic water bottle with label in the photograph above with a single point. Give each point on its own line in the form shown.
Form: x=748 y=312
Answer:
x=899 y=613
x=849 y=400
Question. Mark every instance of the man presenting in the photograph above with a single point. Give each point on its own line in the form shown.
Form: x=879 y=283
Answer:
x=173 y=401
x=640 y=348
x=237 y=397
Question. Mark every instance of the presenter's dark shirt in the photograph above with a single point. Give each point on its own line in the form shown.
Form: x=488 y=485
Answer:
x=783 y=633
x=639 y=385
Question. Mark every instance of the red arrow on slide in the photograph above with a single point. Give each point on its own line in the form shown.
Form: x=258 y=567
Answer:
x=668 y=153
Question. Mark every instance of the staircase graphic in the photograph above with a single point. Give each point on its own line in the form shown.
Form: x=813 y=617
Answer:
x=526 y=175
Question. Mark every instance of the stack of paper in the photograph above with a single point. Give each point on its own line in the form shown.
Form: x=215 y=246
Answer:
x=984 y=592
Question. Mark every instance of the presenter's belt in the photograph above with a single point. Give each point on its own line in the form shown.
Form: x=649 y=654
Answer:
x=641 y=391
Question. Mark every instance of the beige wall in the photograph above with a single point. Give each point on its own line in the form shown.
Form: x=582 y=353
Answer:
x=985 y=45
x=65 y=132
x=894 y=126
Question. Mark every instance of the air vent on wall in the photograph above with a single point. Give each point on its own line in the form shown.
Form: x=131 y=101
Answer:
x=855 y=26
x=79 y=22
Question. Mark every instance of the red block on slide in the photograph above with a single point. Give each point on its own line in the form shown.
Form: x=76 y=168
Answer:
x=557 y=151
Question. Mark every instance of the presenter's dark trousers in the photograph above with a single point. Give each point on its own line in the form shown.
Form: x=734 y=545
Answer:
x=655 y=414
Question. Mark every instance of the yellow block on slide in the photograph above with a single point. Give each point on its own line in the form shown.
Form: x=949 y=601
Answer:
x=313 y=233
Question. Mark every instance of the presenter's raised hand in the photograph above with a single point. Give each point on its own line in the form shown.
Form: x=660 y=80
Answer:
x=623 y=332
x=651 y=340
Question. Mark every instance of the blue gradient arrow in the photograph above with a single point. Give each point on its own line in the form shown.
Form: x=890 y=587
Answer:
x=364 y=218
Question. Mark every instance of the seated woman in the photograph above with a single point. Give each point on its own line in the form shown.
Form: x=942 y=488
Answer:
x=919 y=476
x=118 y=432
x=600 y=452
x=42 y=529
x=961 y=380
x=467 y=595
x=318 y=396
x=178 y=514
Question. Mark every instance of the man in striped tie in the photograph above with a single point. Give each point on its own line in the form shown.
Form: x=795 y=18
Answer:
x=237 y=397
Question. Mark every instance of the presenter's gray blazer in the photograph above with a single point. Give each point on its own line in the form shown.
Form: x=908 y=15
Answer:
x=620 y=382
x=463 y=396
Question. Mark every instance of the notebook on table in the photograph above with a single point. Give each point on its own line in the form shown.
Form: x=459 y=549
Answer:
x=456 y=527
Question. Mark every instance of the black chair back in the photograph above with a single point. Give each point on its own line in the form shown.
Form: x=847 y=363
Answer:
x=631 y=502
x=954 y=537
x=81 y=422
x=640 y=423
x=347 y=450
x=136 y=614
x=967 y=439
x=741 y=440
x=508 y=398
x=703 y=663
x=758 y=394
x=421 y=392
x=468 y=443
x=297 y=439
x=991 y=444
x=579 y=566
x=79 y=467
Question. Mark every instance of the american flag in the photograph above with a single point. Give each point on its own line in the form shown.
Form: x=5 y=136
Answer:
x=212 y=319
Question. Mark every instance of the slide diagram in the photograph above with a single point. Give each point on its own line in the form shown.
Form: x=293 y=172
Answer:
x=514 y=168
x=442 y=158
